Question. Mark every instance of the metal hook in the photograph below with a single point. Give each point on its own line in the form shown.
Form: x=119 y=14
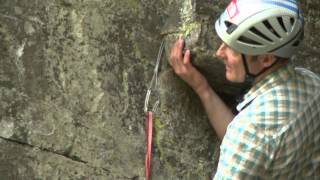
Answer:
x=154 y=82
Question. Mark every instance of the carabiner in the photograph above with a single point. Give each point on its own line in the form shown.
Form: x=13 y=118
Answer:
x=154 y=84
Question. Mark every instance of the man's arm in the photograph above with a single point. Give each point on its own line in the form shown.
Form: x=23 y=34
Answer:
x=219 y=114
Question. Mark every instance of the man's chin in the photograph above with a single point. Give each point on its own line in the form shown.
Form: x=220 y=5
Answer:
x=234 y=80
x=230 y=78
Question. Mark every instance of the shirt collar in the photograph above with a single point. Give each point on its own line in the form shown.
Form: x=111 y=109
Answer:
x=283 y=74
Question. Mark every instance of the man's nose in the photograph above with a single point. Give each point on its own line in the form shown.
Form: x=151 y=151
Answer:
x=220 y=53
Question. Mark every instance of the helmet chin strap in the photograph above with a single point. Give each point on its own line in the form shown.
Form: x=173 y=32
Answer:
x=249 y=77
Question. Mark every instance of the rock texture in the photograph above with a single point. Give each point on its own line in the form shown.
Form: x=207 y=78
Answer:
x=73 y=78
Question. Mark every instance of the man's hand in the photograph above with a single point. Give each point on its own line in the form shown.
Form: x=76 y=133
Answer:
x=219 y=114
x=184 y=69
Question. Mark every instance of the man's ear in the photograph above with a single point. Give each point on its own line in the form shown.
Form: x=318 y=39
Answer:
x=267 y=60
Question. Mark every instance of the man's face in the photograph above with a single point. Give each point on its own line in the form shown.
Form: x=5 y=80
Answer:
x=232 y=59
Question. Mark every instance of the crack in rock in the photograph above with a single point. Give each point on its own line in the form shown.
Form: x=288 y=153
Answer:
x=73 y=158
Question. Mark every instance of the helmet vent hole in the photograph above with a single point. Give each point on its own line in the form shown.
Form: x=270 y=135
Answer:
x=230 y=26
x=246 y=40
x=295 y=44
x=271 y=29
x=292 y=21
x=260 y=34
x=300 y=38
x=280 y=20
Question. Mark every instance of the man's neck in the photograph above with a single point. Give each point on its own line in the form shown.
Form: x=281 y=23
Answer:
x=278 y=65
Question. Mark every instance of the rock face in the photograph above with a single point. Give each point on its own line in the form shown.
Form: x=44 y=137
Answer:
x=73 y=78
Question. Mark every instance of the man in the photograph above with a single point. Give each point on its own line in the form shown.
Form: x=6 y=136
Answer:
x=276 y=133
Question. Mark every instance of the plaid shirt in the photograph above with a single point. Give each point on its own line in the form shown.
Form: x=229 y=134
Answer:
x=276 y=135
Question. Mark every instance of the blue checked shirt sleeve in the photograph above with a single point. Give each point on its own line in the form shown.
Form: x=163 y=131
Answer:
x=245 y=152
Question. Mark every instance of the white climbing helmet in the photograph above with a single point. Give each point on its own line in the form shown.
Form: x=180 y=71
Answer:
x=256 y=27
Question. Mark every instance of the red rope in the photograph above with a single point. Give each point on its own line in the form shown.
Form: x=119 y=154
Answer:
x=149 y=128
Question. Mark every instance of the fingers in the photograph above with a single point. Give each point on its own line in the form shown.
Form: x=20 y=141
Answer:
x=181 y=64
x=179 y=48
x=186 y=58
x=176 y=56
